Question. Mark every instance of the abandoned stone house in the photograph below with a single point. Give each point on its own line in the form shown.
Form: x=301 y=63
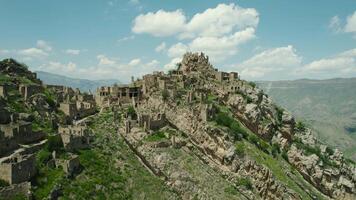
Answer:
x=151 y=122
x=120 y=94
x=79 y=106
x=3 y=91
x=74 y=137
x=226 y=76
x=28 y=90
x=17 y=168
x=21 y=132
x=70 y=165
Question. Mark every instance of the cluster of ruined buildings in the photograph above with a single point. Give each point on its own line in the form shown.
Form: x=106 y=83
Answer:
x=19 y=142
x=171 y=82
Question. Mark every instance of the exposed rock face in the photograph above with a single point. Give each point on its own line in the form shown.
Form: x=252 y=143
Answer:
x=255 y=110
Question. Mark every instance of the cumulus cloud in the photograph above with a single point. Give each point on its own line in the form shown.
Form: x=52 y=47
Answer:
x=60 y=67
x=135 y=62
x=350 y=26
x=161 y=47
x=223 y=19
x=33 y=53
x=344 y=26
x=72 y=51
x=284 y=62
x=281 y=60
x=216 y=31
x=172 y=64
x=339 y=65
x=41 y=44
x=177 y=50
x=104 y=60
x=160 y=23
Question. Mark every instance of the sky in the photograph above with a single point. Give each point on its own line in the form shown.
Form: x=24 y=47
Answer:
x=117 y=39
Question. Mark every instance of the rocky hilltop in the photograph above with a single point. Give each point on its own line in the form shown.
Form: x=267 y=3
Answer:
x=192 y=133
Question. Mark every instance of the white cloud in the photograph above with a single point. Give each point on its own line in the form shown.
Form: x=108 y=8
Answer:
x=104 y=60
x=73 y=51
x=33 y=53
x=161 y=47
x=213 y=22
x=335 y=24
x=271 y=63
x=172 y=64
x=160 y=23
x=41 y=44
x=60 y=67
x=4 y=51
x=338 y=65
x=216 y=31
x=223 y=19
x=135 y=62
x=350 y=26
x=153 y=63
x=177 y=50
x=218 y=48
x=126 y=38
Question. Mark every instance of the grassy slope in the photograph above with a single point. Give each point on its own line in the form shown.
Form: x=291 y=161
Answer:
x=329 y=106
x=110 y=171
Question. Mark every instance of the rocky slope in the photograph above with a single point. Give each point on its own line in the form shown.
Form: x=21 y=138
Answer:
x=190 y=136
x=327 y=105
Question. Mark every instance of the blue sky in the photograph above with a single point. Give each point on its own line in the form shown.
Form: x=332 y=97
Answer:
x=263 y=40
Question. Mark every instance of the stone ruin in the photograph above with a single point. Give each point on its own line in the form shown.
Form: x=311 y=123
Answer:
x=17 y=168
x=28 y=90
x=152 y=122
x=70 y=164
x=118 y=94
x=74 y=137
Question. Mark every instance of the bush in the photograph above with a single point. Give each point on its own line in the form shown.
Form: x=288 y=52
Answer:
x=3 y=183
x=245 y=182
x=329 y=150
x=253 y=84
x=55 y=143
x=300 y=126
x=275 y=149
x=240 y=149
x=279 y=111
x=237 y=129
x=165 y=95
x=253 y=139
x=263 y=146
x=131 y=112
x=42 y=157
x=285 y=156
x=223 y=119
x=157 y=136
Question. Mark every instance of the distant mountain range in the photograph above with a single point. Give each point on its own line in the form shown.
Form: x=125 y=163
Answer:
x=329 y=106
x=82 y=84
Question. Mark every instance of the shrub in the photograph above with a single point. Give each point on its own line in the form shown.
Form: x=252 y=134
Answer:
x=131 y=112
x=253 y=84
x=285 y=156
x=42 y=157
x=3 y=183
x=279 y=111
x=245 y=182
x=329 y=150
x=157 y=136
x=253 y=139
x=237 y=129
x=300 y=126
x=240 y=149
x=165 y=95
x=275 y=149
x=263 y=146
x=223 y=119
x=55 y=143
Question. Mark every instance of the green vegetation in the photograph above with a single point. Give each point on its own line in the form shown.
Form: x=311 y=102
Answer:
x=240 y=149
x=165 y=94
x=275 y=149
x=131 y=112
x=4 y=78
x=259 y=143
x=245 y=182
x=300 y=126
x=3 y=183
x=223 y=119
x=253 y=84
x=309 y=150
x=285 y=155
x=46 y=180
x=157 y=136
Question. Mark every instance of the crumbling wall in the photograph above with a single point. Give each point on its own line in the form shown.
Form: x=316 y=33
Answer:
x=16 y=190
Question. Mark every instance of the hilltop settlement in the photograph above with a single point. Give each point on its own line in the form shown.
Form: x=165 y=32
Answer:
x=195 y=132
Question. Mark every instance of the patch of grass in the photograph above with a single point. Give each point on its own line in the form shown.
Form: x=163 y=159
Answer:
x=45 y=181
x=3 y=183
x=223 y=119
x=240 y=149
x=246 y=182
x=231 y=190
x=157 y=136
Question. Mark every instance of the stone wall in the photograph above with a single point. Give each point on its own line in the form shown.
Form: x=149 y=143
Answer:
x=74 y=137
x=28 y=90
x=18 y=168
x=16 y=190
